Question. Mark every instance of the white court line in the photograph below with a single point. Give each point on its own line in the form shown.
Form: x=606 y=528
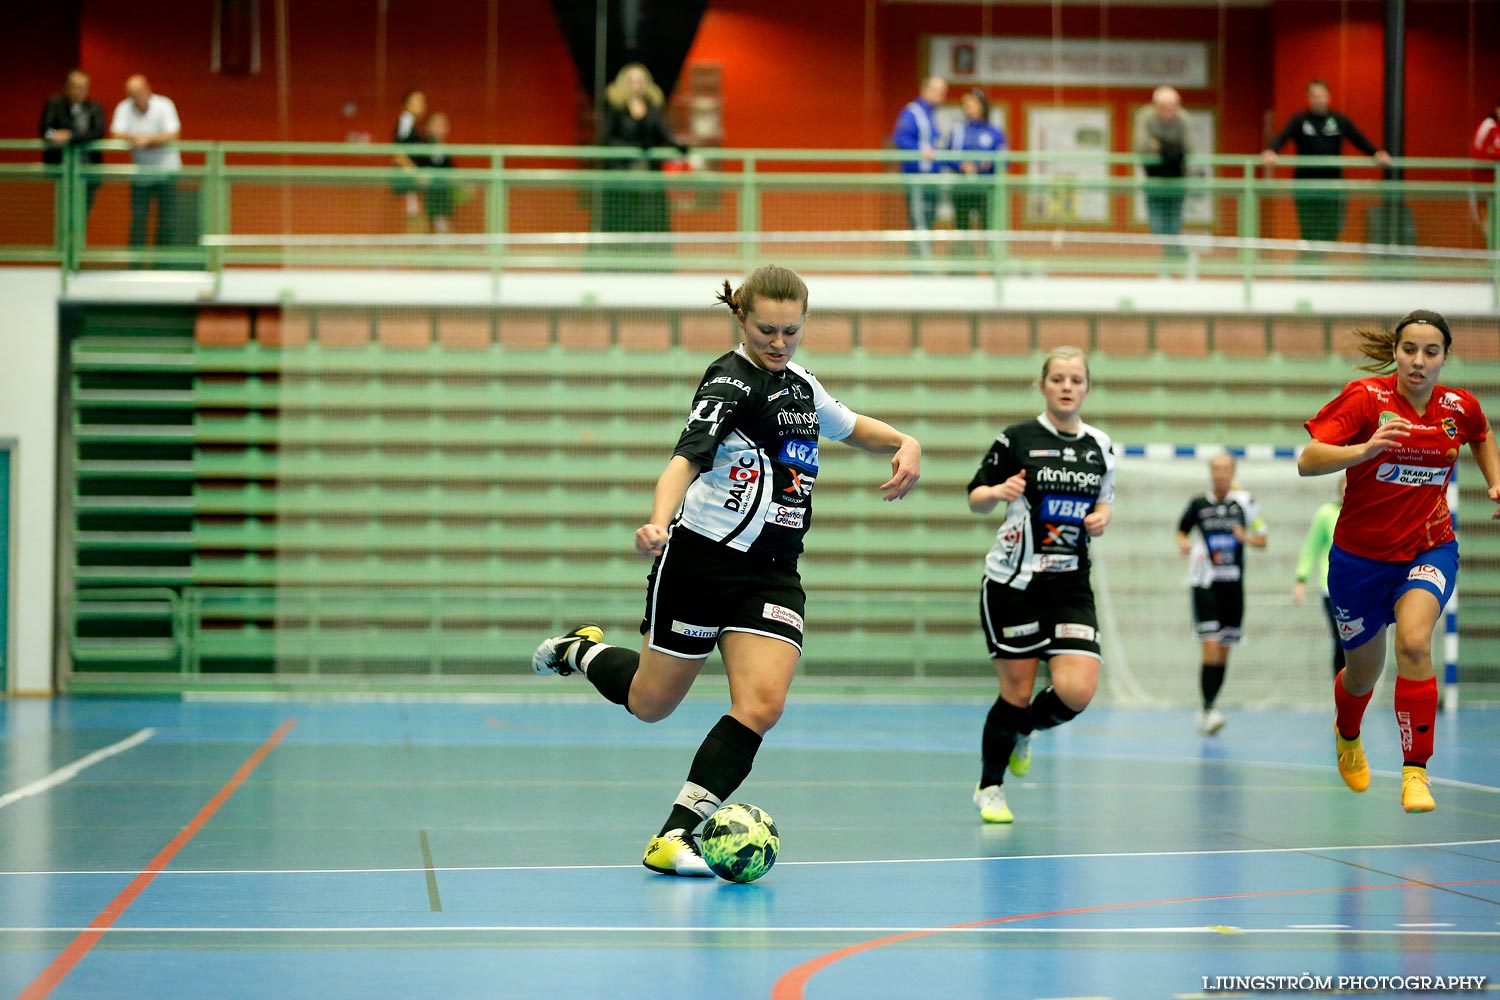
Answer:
x=1283 y=765
x=72 y=770
x=727 y=929
x=861 y=861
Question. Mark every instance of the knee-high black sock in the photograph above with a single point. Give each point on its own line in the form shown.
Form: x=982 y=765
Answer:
x=1209 y=682
x=721 y=765
x=608 y=668
x=1004 y=723
x=1047 y=710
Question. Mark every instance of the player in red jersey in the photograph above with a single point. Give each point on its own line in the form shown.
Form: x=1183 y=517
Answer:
x=1395 y=558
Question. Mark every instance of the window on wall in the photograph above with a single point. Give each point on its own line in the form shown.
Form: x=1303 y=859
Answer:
x=236 y=37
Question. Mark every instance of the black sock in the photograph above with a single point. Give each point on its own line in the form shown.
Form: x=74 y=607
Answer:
x=1047 y=710
x=1001 y=728
x=608 y=668
x=1210 y=680
x=721 y=765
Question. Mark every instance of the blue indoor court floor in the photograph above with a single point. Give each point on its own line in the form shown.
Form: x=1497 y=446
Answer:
x=405 y=849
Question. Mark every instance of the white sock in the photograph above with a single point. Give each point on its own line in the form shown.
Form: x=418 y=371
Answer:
x=588 y=657
x=697 y=798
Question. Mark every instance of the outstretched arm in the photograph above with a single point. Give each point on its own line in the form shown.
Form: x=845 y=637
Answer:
x=880 y=438
x=671 y=487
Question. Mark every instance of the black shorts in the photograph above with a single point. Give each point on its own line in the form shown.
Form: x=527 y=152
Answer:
x=1219 y=611
x=699 y=589
x=1047 y=618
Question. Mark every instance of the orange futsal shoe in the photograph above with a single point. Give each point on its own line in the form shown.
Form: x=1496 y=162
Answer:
x=1353 y=767
x=1416 y=793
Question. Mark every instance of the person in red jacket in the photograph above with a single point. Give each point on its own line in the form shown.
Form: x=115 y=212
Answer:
x=1487 y=136
x=1487 y=147
x=1394 y=559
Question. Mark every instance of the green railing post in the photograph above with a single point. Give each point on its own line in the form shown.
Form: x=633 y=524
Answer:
x=62 y=204
x=748 y=215
x=999 y=223
x=1249 y=225
x=78 y=210
x=494 y=219
x=214 y=206
x=1494 y=237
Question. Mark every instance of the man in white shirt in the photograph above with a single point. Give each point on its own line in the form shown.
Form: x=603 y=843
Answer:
x=149 y=123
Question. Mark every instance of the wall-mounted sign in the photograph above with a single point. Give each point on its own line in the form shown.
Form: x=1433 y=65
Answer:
x=1047 y=62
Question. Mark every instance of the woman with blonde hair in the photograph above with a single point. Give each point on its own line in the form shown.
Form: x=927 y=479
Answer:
x=634 y=117
x=1056 y=476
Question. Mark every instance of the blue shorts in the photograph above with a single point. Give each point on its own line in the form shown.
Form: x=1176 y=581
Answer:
x=1364 y=591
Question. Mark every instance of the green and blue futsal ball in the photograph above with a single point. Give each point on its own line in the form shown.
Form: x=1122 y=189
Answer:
x=739 y=842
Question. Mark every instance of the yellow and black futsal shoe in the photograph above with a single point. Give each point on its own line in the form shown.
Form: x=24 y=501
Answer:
x=552 y=656
x=676 y=853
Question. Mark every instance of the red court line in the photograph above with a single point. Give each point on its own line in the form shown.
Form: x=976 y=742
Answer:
x=64 y=963
x=790 y=986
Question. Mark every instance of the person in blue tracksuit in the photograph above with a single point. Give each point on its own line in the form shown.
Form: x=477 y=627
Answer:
x=971 y=196
x=916 y=129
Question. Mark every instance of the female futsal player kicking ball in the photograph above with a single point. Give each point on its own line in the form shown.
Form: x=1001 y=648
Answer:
x=1394 y=558
x=726 y=529
x=1056 y=474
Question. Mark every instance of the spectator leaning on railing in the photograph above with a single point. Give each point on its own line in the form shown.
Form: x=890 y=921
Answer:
x=149 y=123
x=916 y=129
x=1319 y=131
x=1162 y=137
x=73 y=118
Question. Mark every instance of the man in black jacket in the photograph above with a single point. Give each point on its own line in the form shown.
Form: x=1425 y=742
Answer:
x=73 y=118
x=1319 y=131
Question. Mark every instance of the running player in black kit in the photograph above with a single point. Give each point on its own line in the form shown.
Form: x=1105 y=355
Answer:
x=1056 y=474
x=726 y=529
x=1226 y=519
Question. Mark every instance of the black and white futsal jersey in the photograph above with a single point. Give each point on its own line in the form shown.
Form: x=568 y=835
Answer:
x=754 y=434
x=1066 y=475
x=1215 y=555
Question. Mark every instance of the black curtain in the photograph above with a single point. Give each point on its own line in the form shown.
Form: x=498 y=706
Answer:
x=655 y=33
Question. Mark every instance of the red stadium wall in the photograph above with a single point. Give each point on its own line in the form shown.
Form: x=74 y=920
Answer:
x=826 y=74
x=829 y=74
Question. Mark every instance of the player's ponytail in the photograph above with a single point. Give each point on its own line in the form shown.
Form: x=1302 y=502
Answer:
x=769 y=281
x=1380 y=347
